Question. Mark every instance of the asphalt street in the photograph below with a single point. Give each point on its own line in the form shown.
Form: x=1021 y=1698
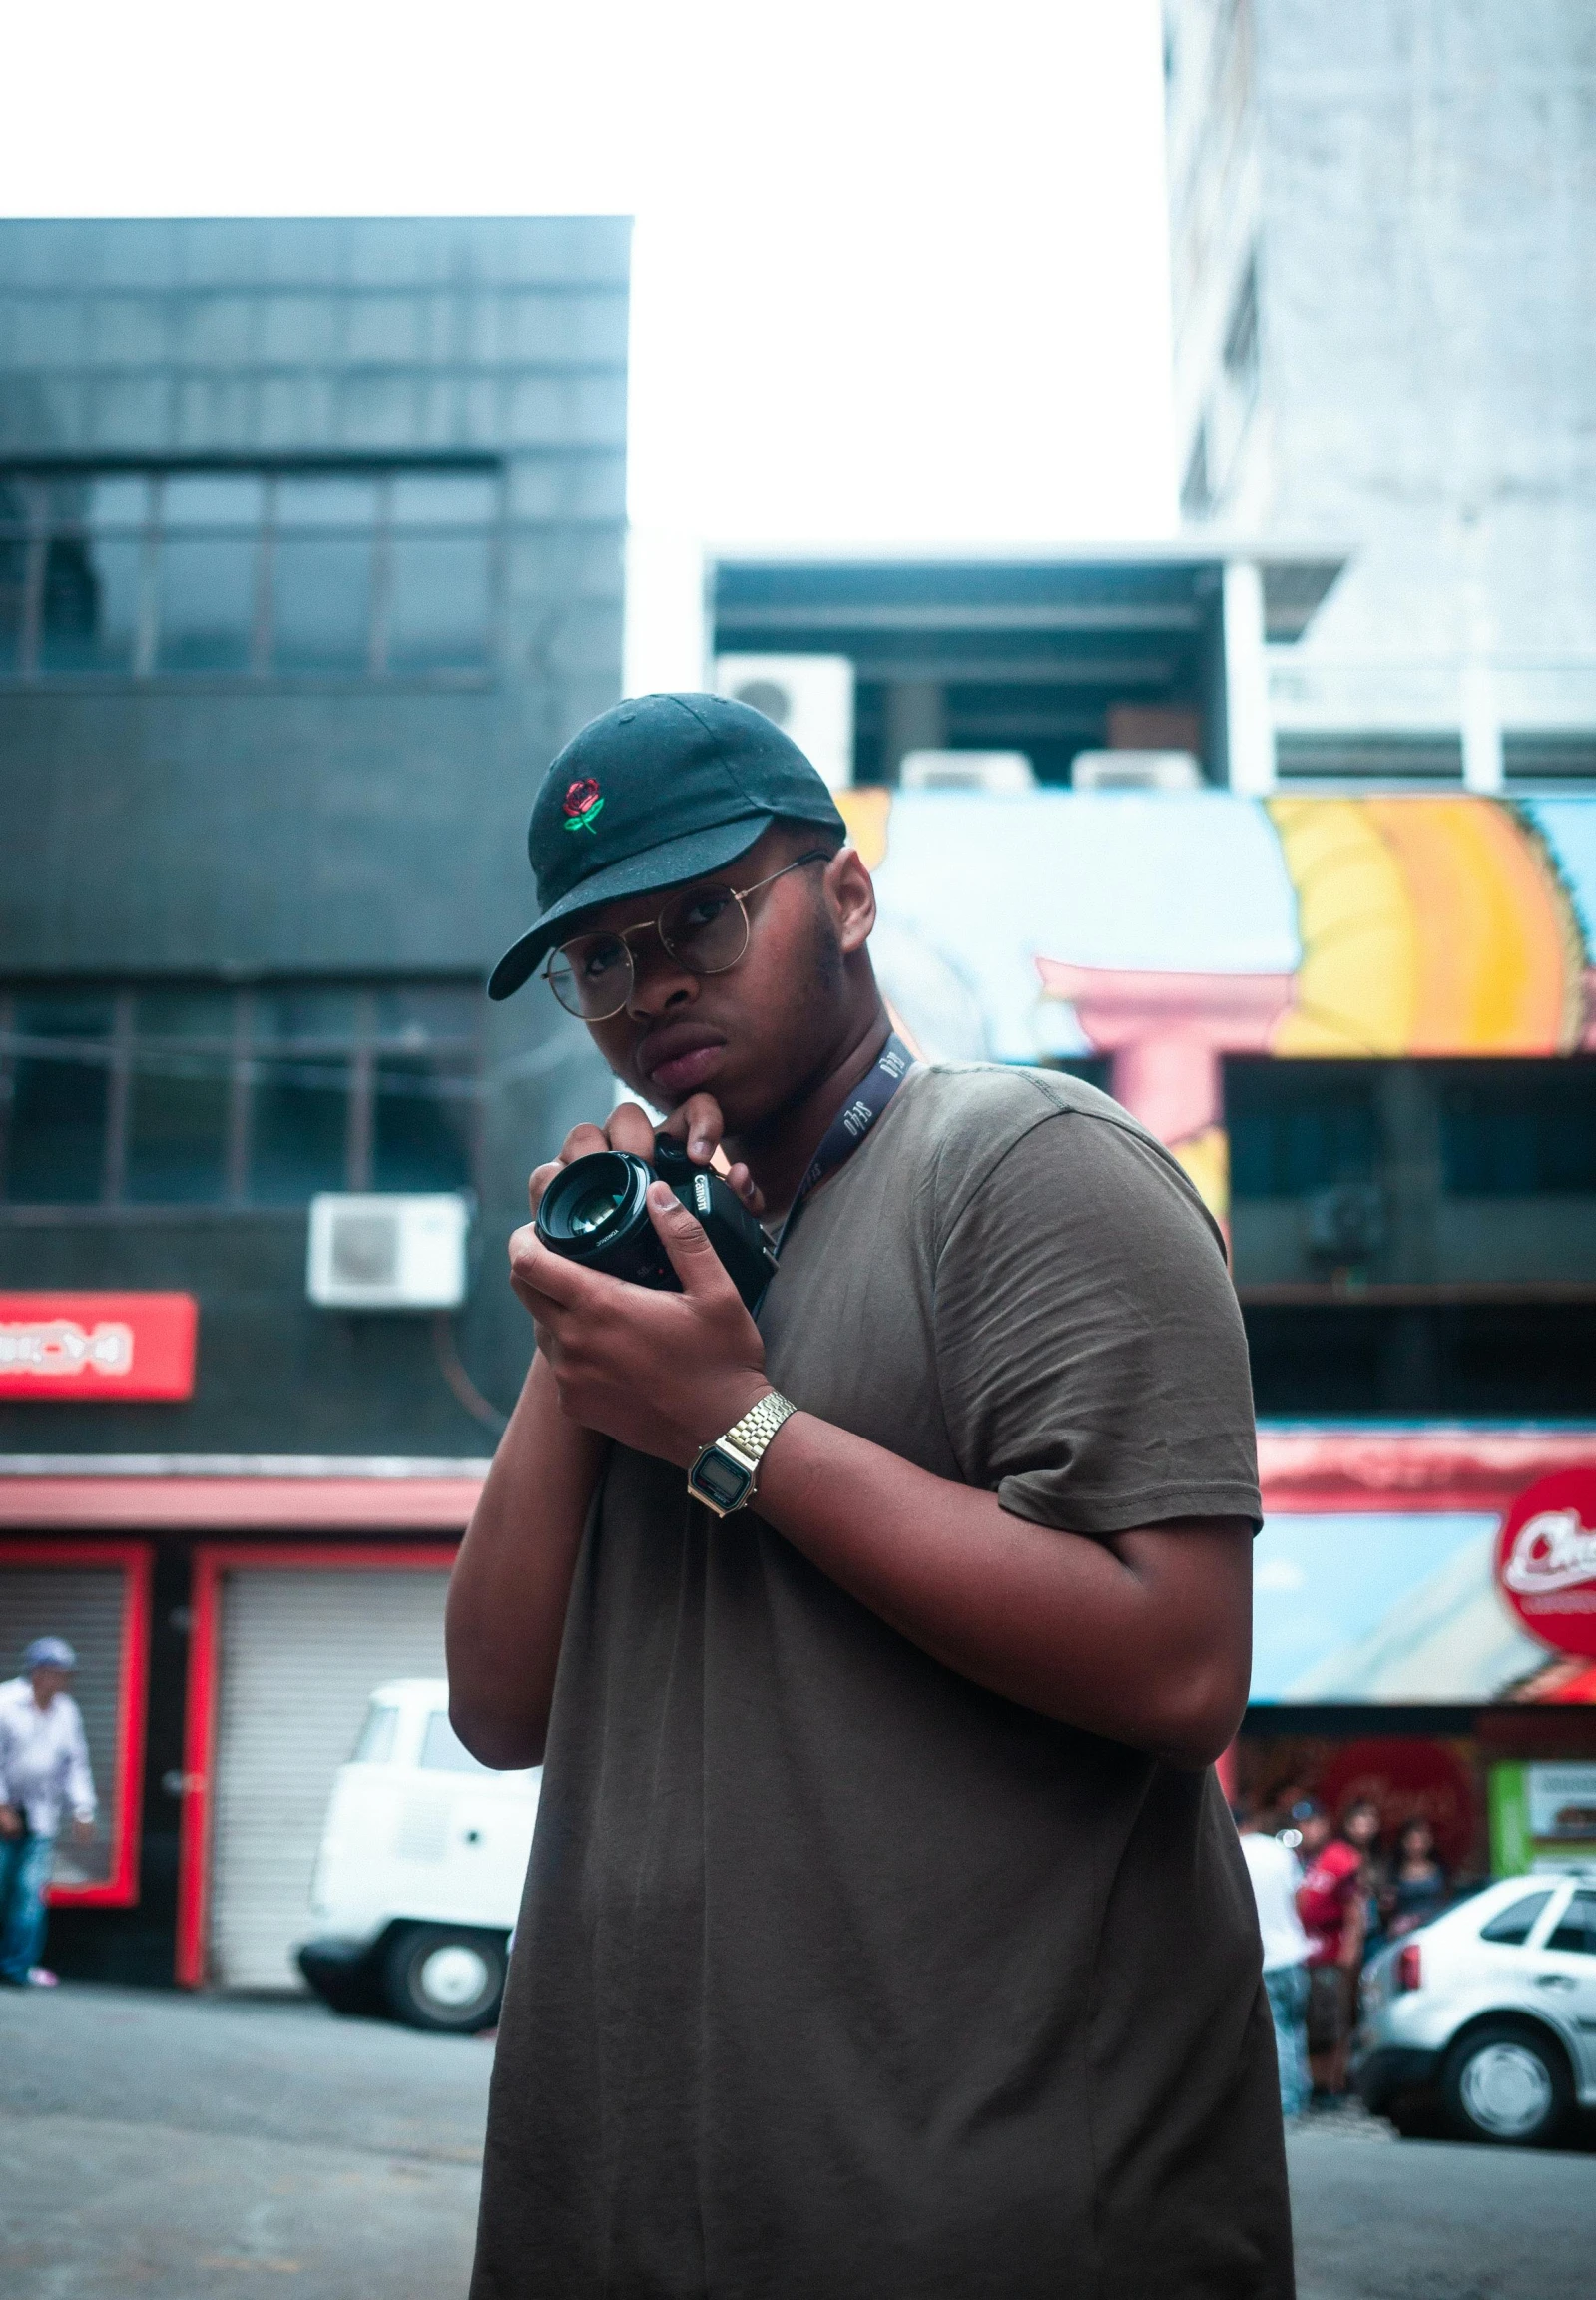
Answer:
x=201 y=2148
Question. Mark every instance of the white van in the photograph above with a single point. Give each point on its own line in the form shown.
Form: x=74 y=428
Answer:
x=419 y=1874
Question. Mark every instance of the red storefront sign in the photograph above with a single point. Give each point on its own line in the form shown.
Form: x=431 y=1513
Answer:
x=65 y=1346
x=1546 y=1561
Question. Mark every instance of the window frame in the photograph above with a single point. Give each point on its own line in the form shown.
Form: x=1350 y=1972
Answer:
x=360 y=1053
x=32 y=479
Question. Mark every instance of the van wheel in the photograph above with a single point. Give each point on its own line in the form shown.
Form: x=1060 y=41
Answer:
x=1507 y=2085
x=445 y=1976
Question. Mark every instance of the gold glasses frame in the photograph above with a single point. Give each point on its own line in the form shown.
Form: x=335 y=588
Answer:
x=656 y=927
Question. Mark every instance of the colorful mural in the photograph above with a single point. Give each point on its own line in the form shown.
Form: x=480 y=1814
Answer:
x=1168 y=931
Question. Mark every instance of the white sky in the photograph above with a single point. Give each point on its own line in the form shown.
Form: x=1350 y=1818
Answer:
x=900 y=269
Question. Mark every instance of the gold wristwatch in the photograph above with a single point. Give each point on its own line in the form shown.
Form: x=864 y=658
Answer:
x=724 y=1476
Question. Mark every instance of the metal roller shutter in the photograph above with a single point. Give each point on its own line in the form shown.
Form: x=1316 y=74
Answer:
x=300 y=1655
x=83 y=1604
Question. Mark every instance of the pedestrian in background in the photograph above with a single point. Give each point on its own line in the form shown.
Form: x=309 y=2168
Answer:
x=1277 y=1874
x=44 y=1766
x=1331 y=1905
x=1418 y=1885
x=1361 y=1826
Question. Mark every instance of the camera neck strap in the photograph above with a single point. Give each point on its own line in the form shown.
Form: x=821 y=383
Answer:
x=851 y=1123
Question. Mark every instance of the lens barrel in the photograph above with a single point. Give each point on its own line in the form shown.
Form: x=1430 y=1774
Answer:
x=595 y=1213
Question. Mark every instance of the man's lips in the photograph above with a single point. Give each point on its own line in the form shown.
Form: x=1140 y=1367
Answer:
x=680 y=1056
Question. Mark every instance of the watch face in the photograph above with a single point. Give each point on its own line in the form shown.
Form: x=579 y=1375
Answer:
x=721 y=1481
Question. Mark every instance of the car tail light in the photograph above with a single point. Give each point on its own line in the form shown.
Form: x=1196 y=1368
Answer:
x=1410 y=1967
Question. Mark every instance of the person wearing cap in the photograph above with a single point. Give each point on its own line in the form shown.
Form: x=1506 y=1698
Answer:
x=885 y=1930
x=44 y=1766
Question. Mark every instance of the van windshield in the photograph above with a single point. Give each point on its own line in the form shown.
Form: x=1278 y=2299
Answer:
x=442 y=1750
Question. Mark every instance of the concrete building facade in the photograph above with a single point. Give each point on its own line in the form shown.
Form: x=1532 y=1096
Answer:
x=1383 y=304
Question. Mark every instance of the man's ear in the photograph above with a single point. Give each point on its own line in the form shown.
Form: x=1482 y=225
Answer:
x=851 y=892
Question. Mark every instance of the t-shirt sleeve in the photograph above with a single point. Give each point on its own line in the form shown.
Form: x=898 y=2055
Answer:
x=1090 y=1352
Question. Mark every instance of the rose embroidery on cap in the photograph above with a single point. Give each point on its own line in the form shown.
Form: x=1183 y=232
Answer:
x=584 y=804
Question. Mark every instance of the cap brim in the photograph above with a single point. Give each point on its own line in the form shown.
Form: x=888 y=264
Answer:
x=671 y=863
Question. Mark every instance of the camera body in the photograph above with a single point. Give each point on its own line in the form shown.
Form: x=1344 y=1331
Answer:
x=595 y=1213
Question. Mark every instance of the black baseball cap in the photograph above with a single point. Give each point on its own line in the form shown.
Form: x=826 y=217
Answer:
x=650 y=795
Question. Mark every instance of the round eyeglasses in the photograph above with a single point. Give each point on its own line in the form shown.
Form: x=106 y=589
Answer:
x=704 y=929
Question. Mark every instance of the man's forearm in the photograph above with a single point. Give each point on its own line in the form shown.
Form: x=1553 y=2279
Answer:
x=1141 y=1636
x=512 y=1580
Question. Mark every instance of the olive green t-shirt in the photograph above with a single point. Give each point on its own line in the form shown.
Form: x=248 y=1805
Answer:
x=838 y=1978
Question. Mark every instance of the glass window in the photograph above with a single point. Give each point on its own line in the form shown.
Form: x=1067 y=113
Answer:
x=440 y=583
x=60 y=1095
x=322 y=574
x=1575 y=1930
x=210 y=557
x=375 y=1745
x=442 y=1750
x=1520 y=1129
x=439 y=602
x=299 y=1094
x=423 y=1100
x=13 y=574
x=179 y=1098
x=1517 y=1922
x=93 y=566
x=1298 y=1127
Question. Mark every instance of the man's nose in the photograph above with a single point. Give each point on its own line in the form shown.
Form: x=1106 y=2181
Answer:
x=659 y=982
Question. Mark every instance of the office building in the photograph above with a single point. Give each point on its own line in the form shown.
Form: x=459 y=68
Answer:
x=311 y=557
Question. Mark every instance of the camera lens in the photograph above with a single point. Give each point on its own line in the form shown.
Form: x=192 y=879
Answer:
x=592 y=1212
x=596 y=1213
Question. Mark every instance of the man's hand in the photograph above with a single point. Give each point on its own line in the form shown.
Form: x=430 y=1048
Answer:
x=698 y=1123
x=10 y=1821
x=662 y=1372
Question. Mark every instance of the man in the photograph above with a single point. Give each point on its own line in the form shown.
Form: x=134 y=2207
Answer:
x=44 y=1764
x=1332 y=1904
x=1276 y=1875
x=886 y=1932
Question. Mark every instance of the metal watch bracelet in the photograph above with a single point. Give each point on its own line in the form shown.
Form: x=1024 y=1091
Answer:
x=740 y=1451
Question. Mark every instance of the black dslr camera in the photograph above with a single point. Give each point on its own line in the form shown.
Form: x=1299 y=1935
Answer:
x=594 y=1212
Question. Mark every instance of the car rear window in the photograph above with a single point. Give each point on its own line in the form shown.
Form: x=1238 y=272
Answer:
x=1517 y=1922
x=1576 y=1928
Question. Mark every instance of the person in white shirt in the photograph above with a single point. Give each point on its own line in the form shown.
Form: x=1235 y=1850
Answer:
x=44 y=1766
x=1276 y=1875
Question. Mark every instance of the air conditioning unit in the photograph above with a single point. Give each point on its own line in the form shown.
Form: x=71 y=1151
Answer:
x=1136 y=771
x=810 y=697
x=384 y=1252
x=1002 y=772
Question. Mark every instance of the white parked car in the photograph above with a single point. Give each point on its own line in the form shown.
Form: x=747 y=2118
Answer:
x=419 y=1874
x=1488 y=2012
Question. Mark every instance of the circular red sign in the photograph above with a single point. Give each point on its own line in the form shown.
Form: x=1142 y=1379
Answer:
x=1546 y=1561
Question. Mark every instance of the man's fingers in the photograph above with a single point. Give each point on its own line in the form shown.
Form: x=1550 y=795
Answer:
x=582 y=1142
x=747 y=1188
x=542 y=1176
x=631 y=1128
x=699 y=1125
x=692 y=1257
x=534 y=1270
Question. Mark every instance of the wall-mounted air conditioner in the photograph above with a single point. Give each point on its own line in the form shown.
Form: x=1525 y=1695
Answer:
x=1001 y=771
x=1136 y=771
x=810 y=697
x=380 y=1252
